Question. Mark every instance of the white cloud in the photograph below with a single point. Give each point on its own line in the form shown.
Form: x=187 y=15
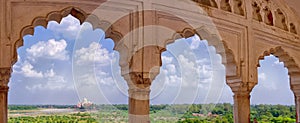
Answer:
x=42 y=80
x=190 y=72
x=166 y=59
x=57 y=82
x=262 y=76
x=107 y=81
x=195 y=42
x=203 y=61
x=50 y=73
x=171 y=68
x=28 y=71
x=51 y=83
x=93 y=54
x=270 y=85
x=49 y=50
x=85 y=79
x=68 y=28
x=90 y=79
x=173 y=80
x=277 y=62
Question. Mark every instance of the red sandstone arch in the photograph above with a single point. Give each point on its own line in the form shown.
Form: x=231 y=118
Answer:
x=57 y=17
x=185 y=30
x=289 y=63
x=213 y=40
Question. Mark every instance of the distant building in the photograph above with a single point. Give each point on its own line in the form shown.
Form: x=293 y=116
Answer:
x=85 y=104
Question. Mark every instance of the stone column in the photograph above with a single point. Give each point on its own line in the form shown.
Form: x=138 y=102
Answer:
x=297 y=104
x=296 y=90
x=138 y=100
x=3 y=104
x=139 y=105
x=4 y=79
x=241 y=107
x=141 y=70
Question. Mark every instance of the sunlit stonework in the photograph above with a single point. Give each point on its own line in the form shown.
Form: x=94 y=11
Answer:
x=242 y=31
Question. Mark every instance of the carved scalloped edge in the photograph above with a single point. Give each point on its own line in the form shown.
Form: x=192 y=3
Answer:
x=262 y=4
x=232 y=5
x=213 y=40
x=57 y=16
x=289 y=62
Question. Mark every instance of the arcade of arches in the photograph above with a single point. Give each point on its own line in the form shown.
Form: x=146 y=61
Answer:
x=243 y=32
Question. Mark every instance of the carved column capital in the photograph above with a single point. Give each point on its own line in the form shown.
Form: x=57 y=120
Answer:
x=4 y=76
x=241 y=88
x=140 y=80
x=4 y=89
x=139 y=85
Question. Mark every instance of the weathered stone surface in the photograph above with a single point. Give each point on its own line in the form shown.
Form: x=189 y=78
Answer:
x=242 y=31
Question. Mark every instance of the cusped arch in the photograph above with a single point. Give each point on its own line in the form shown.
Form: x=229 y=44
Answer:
x=289 y=63
x=228 y=59
x=57 y=17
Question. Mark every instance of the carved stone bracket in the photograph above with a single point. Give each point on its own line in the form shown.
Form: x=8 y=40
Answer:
x=4 y=76
x=240 y=88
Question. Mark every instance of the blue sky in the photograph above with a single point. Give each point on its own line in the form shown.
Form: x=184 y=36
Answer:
x=68 y=62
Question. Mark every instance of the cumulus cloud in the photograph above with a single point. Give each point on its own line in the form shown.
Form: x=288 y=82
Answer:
x=107 y=81
x=194 y=74
x=89 y=79
x=68 y=28
x=187 y=72
x=195 y=42
x=50 y=83
x=49 y=50
x=28 y=71
x=171 y=68
x=41 y=80
x=93 y=54
x=166 y=59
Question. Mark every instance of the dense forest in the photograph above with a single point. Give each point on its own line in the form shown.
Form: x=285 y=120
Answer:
x=181 y=113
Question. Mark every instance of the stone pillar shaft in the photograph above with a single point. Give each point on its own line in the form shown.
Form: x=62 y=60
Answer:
x=297 y=104
x=3 y=104
x=139 y=105
x=241 y=108
x=296 y=90
x=142 y=68
x=138 y=100
x=4 y=79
